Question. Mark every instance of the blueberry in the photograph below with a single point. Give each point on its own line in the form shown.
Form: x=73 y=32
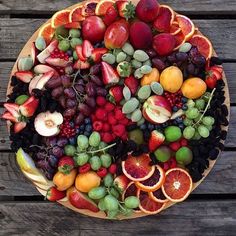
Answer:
x=175 y=108
x=185 y=107
x=151 y=127
x=77 y=130
x=164 y=125
x=143 y=126
x=82 y=127
x=179 y=120
x=157 y=127
x=175 y=122
x=88 y=128
x=184 y=100
x=72 y=124
x=69 y=53
x=181 y=126
x=72 y=141
x=87 y=121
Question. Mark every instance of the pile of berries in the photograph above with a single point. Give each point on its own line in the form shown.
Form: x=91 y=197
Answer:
x=59 y=54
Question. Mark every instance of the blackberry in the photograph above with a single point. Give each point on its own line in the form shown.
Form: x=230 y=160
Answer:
x=223 y=135
x=215 y=61
x=214 y=154
x=131 y=127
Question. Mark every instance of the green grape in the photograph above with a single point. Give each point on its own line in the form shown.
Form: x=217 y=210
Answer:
x=190 y=103
x=208 y=120
x=192 y=113
x=81 y=159
x=203 y=131
x=75 y=41
x=74 y=33
x=106 y=160
x=69 y=150
x=94 y=139
x=114 y=192
x=132 y=202
x=189 y=132
x=108 y=180
x=126 y=211
x=188 y=122
x=61 y=32
x=102 y=145
x=196 y=136
x=64 y=45
x=111 y=203
x=206 y=96
x=83 y=142
x=209 y=127
x=101 y=205
x=198 y=118
x=95 y=162
x=112 y=214
x=200 y=104
x=75 y=56
x=97 y=193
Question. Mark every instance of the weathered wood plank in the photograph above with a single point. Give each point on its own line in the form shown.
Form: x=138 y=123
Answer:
x=12 y=41
x=188 y=6
x=188 y=218
x=220 y=181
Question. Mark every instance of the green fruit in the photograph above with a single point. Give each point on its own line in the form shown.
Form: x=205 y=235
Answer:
x=192 y=113
x=200 y=104
x=120 y=57
x=185 y=47
x=74 y=33
x=136 y=115
x=184 y=156
x=21 y=99
x=137 y=136
x=81 y=159
x=112 y=214
x=75 y=56
x=140 y=55
x=111 y=203
x=188 y=132
x=109 y=58
x=196 y=136
x=208 y=120
x=126 y=93
x=128 y=49
x=138 y=74
x=94 y=139
x=101 y=205
x=83 y=142
x=106 y=160
x=69 y=150
x=108 y=180
x=102 y=145
x=25 y=63
x=206 y=96
x=75 y=41
x=132 y=202
x=40 y=43
x=136 y=64
x=188 y=122
x=146 y=69
x=190 y=103
x=61 y=32
x=144 y=92
x=163 y=154
x=203 y=131
x=64 y=45
x=95 y=163
x=172 y=133
x=114 y=193
x=130 y=106
x=97 y=193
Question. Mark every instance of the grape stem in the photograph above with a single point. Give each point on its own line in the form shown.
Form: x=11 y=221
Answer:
x=206 y=108
x=103 y=149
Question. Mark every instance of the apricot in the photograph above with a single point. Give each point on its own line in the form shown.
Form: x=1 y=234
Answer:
x=193 y=88
x=153 y=76
x=63 y=181
x=171 y=79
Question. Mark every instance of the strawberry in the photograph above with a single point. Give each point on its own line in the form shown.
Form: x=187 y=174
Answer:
x=24 y=76
x=54 y=195
x=87 y=49
x=81 y=65
x=110 y=76
x=111 y=15
x=211 y=81
x=217 y=68
x=97 y=54
x=29 y=107
x=13 y=109
x=73 y=25
x=8 y=116
x=132 y=84
x=19 y=126
x=117 y=93
x=66 y=164
x=126 y=9
x=79 y=52
x=156 y=139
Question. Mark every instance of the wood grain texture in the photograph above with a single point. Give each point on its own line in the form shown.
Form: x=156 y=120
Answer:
x=11 y=41
x=38 y=218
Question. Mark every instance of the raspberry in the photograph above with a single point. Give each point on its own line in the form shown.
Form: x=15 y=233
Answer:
x=119 y=130
x=124 y=121
x=106 y=127
x=175 y=146
x=112 y=169
x=172 y=163
x=111 y=119
x=101 y=114
x=102 y=172
x=119 y=115
x=101 y=101
x=166 y=166
x=183 y=142
x=85 y=168
x=124 y=137
x=109 y=106
x=107 y=138
x=97 y=125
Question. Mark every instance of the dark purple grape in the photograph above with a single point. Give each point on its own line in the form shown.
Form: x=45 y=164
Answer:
x=196 y=71
x=151 y=53
x=158 y=63
x=90 y=101
x=172 y=58
x=79 y=119
x=40 y=156
x=85 y=109
x=69 y=92
x=95 y=79
x=190 y=69
x=43 y=164
x=200 y=61
x=54 y=83
x=193 y=52
x=62 y=101
x=80 y=82
x=56 y=92
x=57 y=151
x=61 y=142
x=65 y=81
x=51 y=141
x=79 y=88
x=69 y=112
x=90 y=89
x=53 y=161
x=49 y=175
x=181 y=56
x=95 y=69
x=101 y=91
x=70 y=103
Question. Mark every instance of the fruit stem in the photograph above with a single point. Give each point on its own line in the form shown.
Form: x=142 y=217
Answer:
x=206 y=108
x=103 y=149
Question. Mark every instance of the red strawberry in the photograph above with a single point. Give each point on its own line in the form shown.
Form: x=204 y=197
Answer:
x=24 y=76
x=66 y=164
x=19 y=126
x=8 y=116
x=119 y=130
x=73 y=25
x=87 y=49
x=110 y=76
x=13 y=109
x=117 y=93
x=79 y=52
x=132 y=84
x=97 y=54
x=156 y=139
x=211 y=81
x=29 y=107
x=111 y=15
x=126 y=9
x=217 y=68
x=102 y=172
x=54 y=195
x=81 y=65
x=85 y=168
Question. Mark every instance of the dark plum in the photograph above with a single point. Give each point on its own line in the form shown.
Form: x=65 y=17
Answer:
x=53 y=161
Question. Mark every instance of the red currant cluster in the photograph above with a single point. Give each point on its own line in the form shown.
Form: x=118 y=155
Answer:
x=175 y=99
x=59 y=54
x=67 y=129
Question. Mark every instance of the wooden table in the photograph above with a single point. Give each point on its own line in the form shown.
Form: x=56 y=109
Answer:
x=210 y=210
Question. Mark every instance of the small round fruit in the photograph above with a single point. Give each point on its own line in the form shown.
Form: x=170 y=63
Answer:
x=184 y=156
x=153 y=76
x=70 y=150
x=137 y=136
x=82 y=142
x=108 y=180
x=189 y=132
x=94 y=139
x=75 y=41
x=200 y=104
x=64 y=45
x=111 y=203
x=163 y=153
x=203 y=131
x=192 y=113
x=101 y=205
x=95 y=163
x=208 y=120
x=171 y=79
x=106 y=160
x=81 y=159
x=97 y=193
x=132 y=202
x=74 y=33
x=172 y=133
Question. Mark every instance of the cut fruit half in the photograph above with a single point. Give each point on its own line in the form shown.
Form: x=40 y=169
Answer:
x=89 y=8
x=174 y=28
x=76 y=14
x=102 y=7
x=148 y=205
x=203 y=45
x=186 y=25
x=179 y=40
x=138 y=168
x=47 y=32
x=158 y=196
x=178 y=185
x=154 y=182
x=60 y=18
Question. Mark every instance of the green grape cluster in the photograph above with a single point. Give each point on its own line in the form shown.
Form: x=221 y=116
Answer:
x=197 y=124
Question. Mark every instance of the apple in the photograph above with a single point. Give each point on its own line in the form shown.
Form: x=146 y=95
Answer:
x=93 y=29
x=157 y=109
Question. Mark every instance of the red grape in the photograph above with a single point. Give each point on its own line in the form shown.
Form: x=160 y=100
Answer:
x=85 y=109
x=69 y=92
x=95 y=79
x=79 y=88
x=56 y=92
x=70 y=103
x=62 y=101
x=101 y=92
x=79 y=119
x=54 y=82
x=95 y=69
x=65 y=80
x=90 y=101
x=90 y=89
x=69 y=112
x=158 y=63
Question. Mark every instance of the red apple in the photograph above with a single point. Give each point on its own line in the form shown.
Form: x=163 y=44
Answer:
x=93 y=29
x=157 y=109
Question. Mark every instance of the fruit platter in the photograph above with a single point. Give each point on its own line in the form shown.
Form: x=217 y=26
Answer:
x=117 y=109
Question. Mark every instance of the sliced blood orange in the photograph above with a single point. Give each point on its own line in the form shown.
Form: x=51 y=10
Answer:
x=174 y=28
x=148 y=205
x=47 y=32
x=158 y=196
x=76 y=14
x=178 y=185
x=60 y=18
x=180 y=40
x=138 y=168
x=203 y=44
x=154 y=182
x=186 y=25
x=73 y=25
x=102 y=7
x=89 y=8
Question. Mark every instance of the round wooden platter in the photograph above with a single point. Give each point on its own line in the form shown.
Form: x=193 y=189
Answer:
x=26 y=51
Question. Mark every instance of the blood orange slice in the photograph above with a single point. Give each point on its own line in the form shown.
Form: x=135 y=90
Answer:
x=76 y=14
x=174 y=28
x=102 y=7
x=186 y=25
x=179 y=40
x=47 y=32
x=203 y=44
x=158 y=196
x=60 y=18
x=178 y=185
x=154 y=182
x=138 y=168
x=148 y=205
x=89 y=8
